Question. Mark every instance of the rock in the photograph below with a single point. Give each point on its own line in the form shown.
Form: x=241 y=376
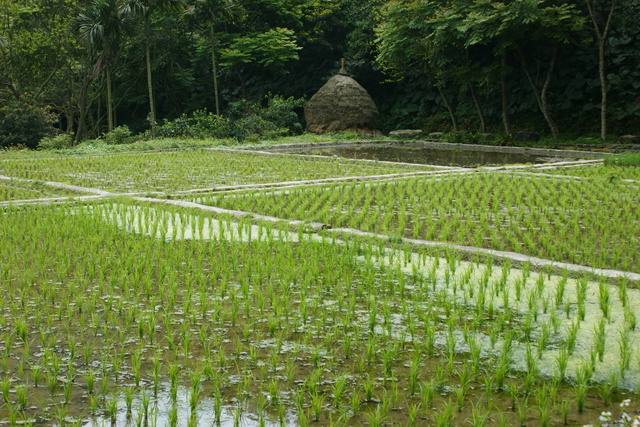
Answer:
x=436 y=135
x=630 y=139
x=525 y=136
x=341 y=105
x=406 y=133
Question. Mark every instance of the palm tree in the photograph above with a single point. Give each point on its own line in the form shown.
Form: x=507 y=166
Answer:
x=146 y=10
x=101 y=26
x=206 y=14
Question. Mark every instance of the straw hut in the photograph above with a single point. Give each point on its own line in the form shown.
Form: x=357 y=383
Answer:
x=341 y=105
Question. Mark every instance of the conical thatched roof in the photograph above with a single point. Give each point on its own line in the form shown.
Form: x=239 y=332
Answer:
x=341 y=104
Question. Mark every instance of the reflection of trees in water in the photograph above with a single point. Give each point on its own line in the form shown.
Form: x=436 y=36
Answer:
x=419 y=155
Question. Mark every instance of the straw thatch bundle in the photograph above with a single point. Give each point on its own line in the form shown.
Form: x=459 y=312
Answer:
x=341 y=104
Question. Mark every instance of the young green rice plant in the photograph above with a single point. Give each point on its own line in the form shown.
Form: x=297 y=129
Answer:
x=67 y=387
x=274 y=392
x=600 y=339
x=479 y=415
x=461 y=393
x=604 y=298
x=572 y=336
x=112 y=408
x=522 y=410
x=36 y=374
x=445 y=417
x=22 y=396
x=5 y=387
x=172 y=416
x=565 y=407
x=173 y=370
x=317 y=401
x=338 y=390
x=544 y=404
x=136 y=365
x=625 y=350
x=562 y=359
x=580 y=391
x=52 y=383
x=388 y=358
x=368 y=386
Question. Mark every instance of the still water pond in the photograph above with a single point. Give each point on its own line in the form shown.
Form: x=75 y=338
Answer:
x=426 y=155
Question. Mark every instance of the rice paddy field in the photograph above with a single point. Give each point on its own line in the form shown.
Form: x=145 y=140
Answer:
x=298 y=302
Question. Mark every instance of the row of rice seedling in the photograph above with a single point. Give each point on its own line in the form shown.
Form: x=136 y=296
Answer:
x=608 y=171
x=592 y=222
x=99 y=323
x=187 y=169
x=20 y=190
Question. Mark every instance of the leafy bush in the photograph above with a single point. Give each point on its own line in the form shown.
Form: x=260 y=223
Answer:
x=58 y=142
x=282 y=113
x=245 y=120
x=24 y=124
x=199 y=125
x=120 y=135
x=279 y=118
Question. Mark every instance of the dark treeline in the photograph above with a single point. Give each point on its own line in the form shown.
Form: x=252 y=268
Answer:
x=480 y=65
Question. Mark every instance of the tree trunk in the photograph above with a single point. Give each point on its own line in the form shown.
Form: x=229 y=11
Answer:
x=602 y=34
x=541 y=98
x=545 y=90
x=603 y=90
x=214 y=70
x=152 y=106
x=447 y=104
x=109 y=101
x=504 y=94
x=483 y=122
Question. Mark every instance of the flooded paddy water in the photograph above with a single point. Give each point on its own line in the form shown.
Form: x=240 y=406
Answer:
x=453 y=155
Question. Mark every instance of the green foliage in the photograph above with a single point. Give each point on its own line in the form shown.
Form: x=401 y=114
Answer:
x=58 y=142
x=245 y=120
x=22 y=123
x=271 y=49
x=198 y=125
x=119 y=135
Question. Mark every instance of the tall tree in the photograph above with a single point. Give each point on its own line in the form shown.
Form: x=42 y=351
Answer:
x=102 y=26
x=405 y=40
x=601 y=13
x=147 y=9
x=207 y=14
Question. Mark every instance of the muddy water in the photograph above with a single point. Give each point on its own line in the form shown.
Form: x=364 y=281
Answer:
x=427 y=156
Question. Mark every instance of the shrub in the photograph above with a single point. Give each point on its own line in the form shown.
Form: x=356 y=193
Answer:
x=251 y=121
x=199 y=125
x=245 y=121
x=119 y=135
x=24 y=124
x=58 y=142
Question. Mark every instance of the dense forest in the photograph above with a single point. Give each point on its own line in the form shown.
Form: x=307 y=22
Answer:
x=551 y=66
